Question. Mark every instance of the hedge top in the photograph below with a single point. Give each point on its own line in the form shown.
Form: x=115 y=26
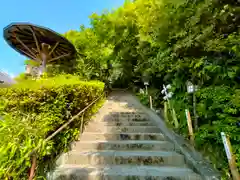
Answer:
x=57 y=81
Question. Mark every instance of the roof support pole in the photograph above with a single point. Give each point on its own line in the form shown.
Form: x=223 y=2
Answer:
x=53 y=48
x=25 y=46
x=44 y=55
x=44 y=63
x=35 y=39
x=64 y=55
x=28 y=54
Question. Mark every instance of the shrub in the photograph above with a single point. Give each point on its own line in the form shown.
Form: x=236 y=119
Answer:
x=156 y=97
x=31 y=111
x=218 y=109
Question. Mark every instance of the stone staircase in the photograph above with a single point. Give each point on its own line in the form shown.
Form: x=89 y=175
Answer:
x=122 y=143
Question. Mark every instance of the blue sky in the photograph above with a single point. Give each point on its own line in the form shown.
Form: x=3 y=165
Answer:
x=58 y=15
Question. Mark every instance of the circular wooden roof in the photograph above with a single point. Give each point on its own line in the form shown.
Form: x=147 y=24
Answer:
x=27 y=39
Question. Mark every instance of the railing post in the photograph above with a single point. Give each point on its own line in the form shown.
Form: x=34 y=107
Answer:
x=151 y=103
x=82 y=120
x=230 y=157
x=166 y=111
x=33 y=167
x=190 y=128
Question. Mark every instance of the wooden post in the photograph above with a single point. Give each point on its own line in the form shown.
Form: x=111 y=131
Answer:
x=190 y=128
x=82 y=119
x=230 y=156
x=194 y=110
x=175 y=118
x=33 y=167
x=166 y=111
x=150 y=100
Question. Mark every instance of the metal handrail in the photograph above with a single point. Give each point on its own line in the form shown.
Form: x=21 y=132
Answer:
x=72 y=119
x=32 y=170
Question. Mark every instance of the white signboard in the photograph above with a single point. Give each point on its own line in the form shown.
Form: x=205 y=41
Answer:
x=190 y=89
x=226 y=146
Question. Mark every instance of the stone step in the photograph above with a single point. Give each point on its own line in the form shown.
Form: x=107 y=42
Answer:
x=117 y=119
x=86 y=136
x=124 y=145
x=126 y=129
x=124 y=123
x=126 y=113
x=160 y=158
x=123 y=172
x=127 y=116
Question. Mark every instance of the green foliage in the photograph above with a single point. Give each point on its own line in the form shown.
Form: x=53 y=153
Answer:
x=143 y=98
x=33 y=110
x=173 y=41
x=218 y=112
x=31 y=62
x=22 y=77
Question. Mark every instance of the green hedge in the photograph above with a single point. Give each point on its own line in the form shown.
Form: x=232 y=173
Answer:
x=31 y=111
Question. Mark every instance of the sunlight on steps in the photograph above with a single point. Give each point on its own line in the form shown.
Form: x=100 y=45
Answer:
x=122 y=143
